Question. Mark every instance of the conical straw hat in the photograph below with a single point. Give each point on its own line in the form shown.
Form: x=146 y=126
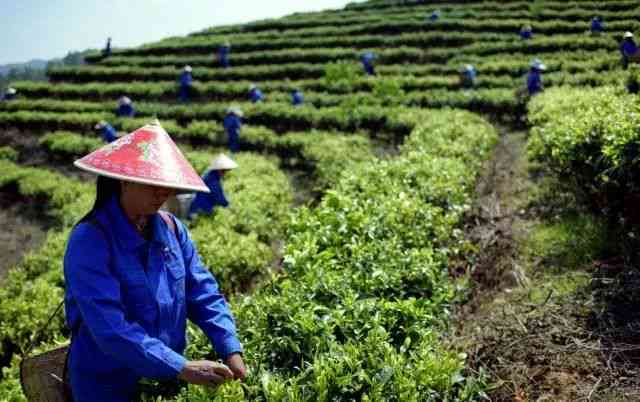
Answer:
x=148 y=156
x=222 y=162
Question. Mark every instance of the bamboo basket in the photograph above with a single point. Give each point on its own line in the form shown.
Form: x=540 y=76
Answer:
x=42 y=376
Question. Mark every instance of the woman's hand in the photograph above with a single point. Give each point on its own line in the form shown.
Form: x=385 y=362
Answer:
x=236 y=364
x=205 y=372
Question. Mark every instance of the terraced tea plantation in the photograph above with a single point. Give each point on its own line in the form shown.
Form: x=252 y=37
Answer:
x=347 y=212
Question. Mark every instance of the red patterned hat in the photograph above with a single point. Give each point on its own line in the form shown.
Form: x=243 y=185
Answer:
x=147 y=156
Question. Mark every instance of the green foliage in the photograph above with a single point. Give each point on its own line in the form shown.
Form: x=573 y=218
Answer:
x=65 y=144
x=341 y=75
x=8 y=153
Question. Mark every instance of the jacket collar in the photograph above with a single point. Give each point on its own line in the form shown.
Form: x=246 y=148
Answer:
x=124 y=232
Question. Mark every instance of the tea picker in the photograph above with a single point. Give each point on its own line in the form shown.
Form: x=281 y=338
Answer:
x=186 y=83
x=468 y=76
x=597 y=26
x=125 y=107
x=223 y=54
x=629 y=50
x=526 y=32
x=109 y=133
x=207 y=202
x=10 y=94
x=232 y=126
x=297 y=99
x=255 y=94
x=534 y=77
x=367 y=63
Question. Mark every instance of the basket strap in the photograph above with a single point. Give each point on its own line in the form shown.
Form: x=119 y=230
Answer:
x=42 y=330
x=93 y=221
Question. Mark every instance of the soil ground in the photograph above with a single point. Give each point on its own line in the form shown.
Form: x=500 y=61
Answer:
x=24 y=227
x=545 y=320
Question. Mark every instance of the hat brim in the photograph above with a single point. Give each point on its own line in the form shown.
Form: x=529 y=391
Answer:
x=157 y=183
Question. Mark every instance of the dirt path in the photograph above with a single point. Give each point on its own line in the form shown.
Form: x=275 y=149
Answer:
x=24 y=229
x=534 y=321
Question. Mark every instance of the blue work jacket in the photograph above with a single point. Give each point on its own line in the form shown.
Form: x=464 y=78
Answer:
x=526 y=35
x=127 y=302
x=297 y=98
x=255 y=95
x=596 y=26
x=206 y=202
x=186 y=79
x=534 y=82
x=109 y=133
x=125 y=111
x=628 y=47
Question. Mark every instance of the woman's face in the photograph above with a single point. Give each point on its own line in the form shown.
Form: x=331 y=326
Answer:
x=144 y=199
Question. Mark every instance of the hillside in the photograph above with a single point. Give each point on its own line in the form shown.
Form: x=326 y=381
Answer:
x=369 y=225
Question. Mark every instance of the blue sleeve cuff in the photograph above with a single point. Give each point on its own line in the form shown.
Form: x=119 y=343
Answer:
x=227 y=347
x=175 y=362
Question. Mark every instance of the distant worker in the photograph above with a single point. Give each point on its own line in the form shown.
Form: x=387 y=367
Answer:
x=125 y=107
x=534 y=78
x=186 y=82
x=106 y=52
x=367 y=62
x=10 y=94
x=434 y=16
x=297 y=99
x=232 y=125
x=597 y=26
x=109 y=133
x=223 y=54
x=468 y=76
x=206 y=202
x=629 y=50
x=526 y=32
x=255 y=94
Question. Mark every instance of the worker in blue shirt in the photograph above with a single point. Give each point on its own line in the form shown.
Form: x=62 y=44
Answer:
x=526 y=32
x=468 y=76
x=106 y=52
x=223 y=54
x=10 y=94
x=434 y=16
x=255 y=94
x=597 y=26
x=534 y=78
x=133 y=277
x=297 y=99
x=125 y=107
x=109 y=133
x=367 y=63
x=186 y=82
x=628 y=49
x=232 y=125
x=206 y=203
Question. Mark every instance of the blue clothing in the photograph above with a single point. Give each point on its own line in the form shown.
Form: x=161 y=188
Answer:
x=186 y=80
x=534 y=82
x=628 y=47
x=367 y=63
x=597 y=26
x=434 y=16
x=297 y=98
x=224 y=56
x=526 y=35
x=255 y=95
x=468 y=77
x=127 y=301
x=125 y=111
x=232 y=125
x=109 y=133
x=206 y=202
x=8 y=97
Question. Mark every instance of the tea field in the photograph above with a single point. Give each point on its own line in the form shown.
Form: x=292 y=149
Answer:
x=348 y=251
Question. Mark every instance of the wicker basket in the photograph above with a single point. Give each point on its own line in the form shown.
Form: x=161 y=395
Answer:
x=42 y=376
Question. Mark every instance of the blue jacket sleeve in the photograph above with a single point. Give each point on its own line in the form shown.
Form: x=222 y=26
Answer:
x=96 y=292
x=206 y=306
